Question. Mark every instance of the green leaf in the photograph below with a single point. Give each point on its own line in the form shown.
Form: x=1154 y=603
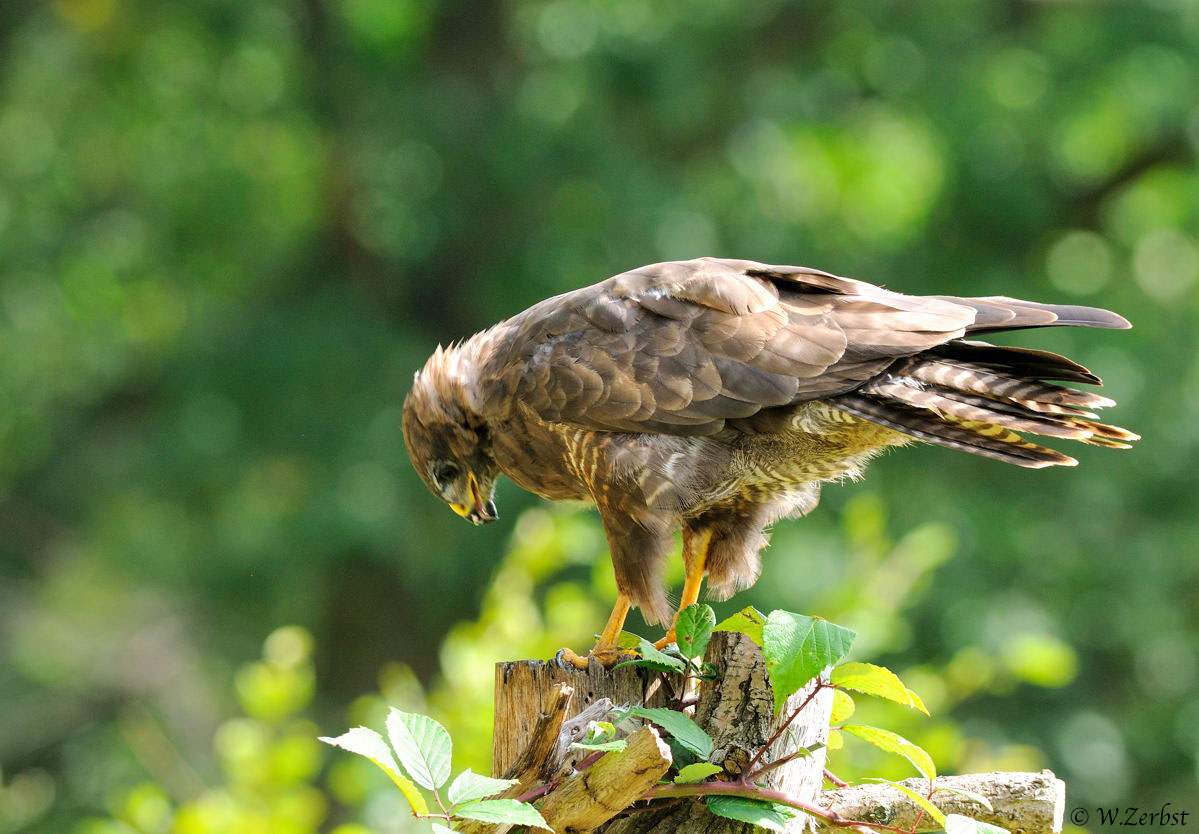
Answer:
x=680 y=756
x=747 y=621
x=502 y=810
x=798 y=648
x=693 y=629
x=369 y=744
x=627 y=640
x=685 y=731
x=895 y=743
x=762 y=814
x=957 y=824
x=876 y=680
x=470 y=785
x=422 y=745
x=606 y=746
x=697 y=772
x=835 y=740
x=601 y=730
x=843 y=707
x=651 y=658
x=917 y=797
x=438 y=828
x=971 y=795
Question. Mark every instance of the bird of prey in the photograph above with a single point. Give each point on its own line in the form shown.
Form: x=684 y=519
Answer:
x=717 y=395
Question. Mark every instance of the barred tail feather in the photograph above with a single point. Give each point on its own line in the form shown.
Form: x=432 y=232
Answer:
x=997 y=443
x=978 y=406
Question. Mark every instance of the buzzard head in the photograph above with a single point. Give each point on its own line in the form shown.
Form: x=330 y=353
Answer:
x=448 y=444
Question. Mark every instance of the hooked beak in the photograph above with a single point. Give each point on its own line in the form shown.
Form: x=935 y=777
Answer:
x=478 y=511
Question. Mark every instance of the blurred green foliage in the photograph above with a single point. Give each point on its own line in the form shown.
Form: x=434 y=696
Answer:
x=232 y=230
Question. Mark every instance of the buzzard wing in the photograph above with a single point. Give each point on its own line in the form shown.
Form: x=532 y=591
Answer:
x=681 y=347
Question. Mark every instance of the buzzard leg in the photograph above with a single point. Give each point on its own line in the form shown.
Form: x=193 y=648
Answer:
x=695 y=558
x=605 y=650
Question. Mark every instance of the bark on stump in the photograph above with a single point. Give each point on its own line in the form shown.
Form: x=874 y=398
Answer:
x=737 y=711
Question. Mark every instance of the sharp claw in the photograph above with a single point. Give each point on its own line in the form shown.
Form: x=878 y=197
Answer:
x=606 y=657
x=565 y=656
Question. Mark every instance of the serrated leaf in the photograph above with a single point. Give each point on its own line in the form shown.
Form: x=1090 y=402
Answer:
x=627 y=640
x=797 y=648
x=747 y=621
x=957 y=824
x=917 y=797
x=895 y=743
x=693 y=629
x=876 y=680
x=971 y=795
x=684 y=730
x=502 y=810
x=605 y=746
x=697 y=772
x=470 y=786
x=680 y=756
x=369 y=744
x=651 y=658
x=835 y=740
x=763 y=814
x=843 y=707
x=422 y=745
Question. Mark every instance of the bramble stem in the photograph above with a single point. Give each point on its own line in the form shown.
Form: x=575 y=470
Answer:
x=538 y=791
x=590 y=759
x=754 y=792
x=790 y=757
x=840 y=783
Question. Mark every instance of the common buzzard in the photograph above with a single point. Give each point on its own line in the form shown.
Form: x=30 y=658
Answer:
x=718 y=395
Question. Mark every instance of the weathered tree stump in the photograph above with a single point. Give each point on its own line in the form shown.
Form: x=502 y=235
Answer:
x=736 y=710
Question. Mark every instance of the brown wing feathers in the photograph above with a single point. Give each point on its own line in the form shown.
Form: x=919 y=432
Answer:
x=683 y=347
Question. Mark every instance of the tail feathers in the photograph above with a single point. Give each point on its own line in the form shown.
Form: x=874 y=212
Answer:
x=1110 y=444
x=1001 y=313
x=975 y=379
x=943 y=403
x=1069 y=314
x=971 y=407
x=978 y=438
x=1022 y=362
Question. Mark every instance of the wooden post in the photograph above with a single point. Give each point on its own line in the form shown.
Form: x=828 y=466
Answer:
x=736 y=710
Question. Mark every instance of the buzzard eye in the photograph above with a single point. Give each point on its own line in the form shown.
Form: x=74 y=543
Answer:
x=443 y=473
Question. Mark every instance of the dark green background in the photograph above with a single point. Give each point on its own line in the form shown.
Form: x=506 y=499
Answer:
x=230 y=232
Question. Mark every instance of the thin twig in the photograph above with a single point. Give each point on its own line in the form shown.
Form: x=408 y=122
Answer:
x=440 y=804
x=590 y=759
x=830 y=816
x=670 y=803
x=840 y=783
x=541 y=790
x=766 y=768
x=932 y=789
